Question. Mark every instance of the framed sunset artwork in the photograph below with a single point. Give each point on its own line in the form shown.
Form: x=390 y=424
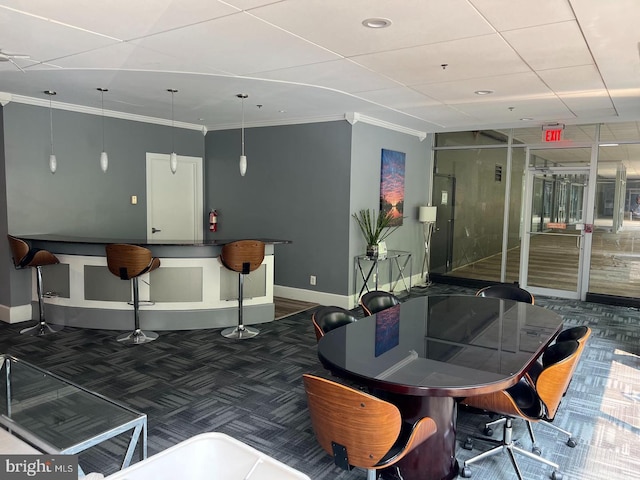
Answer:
x=392 y=185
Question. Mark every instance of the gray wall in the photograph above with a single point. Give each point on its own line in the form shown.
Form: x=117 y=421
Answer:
x=296 y=188
x=5 y=256
x=79 y=199
x=368 y=142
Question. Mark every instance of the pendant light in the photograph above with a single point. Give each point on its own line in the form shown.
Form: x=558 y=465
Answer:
x=104 y=159
x=53 y=162
x=243 y=158
x=173 y=158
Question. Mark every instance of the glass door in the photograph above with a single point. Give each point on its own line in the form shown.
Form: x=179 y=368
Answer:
x=552 y=258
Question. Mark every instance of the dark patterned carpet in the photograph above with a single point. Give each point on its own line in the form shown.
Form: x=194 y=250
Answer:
x=190 y=382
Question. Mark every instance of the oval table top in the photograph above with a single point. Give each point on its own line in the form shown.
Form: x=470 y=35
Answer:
x=445 y=345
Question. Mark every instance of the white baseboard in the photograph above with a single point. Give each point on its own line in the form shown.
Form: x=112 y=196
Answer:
x=321 y=298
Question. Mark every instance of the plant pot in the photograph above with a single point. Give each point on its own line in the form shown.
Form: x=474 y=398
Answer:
x=372 y=251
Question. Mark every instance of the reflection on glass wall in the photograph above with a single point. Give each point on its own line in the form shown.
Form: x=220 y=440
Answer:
x=469 y=189
x=615 y=253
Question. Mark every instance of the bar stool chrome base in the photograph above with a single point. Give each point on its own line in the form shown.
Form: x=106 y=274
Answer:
x=137 y=337
x=41 y=329
x=240 y=333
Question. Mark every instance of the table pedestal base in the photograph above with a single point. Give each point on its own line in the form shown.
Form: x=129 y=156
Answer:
x=435 y=458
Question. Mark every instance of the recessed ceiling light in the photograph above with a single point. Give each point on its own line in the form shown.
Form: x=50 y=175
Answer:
x=526 y=119
x=609 y=144
x=376 y=22
x=483 y=92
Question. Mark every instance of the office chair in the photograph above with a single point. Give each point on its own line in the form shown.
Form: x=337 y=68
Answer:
x=24 y=256
x=377 y=300
x=507 y=292
x=243 y=257
x=358 y=429
x=581 y=335
x=532 y=403
x=128 y=262
x=327 y=318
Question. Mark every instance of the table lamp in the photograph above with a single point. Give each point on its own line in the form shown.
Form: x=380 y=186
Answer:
x=426 y=216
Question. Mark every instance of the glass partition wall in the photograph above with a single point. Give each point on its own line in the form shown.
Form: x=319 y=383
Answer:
x=490 y=228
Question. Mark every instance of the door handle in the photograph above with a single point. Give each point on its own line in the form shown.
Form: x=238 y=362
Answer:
x=154 y=230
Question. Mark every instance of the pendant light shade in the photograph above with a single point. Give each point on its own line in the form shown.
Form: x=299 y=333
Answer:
x=53 y=161
x=104 y=158
x=243 y=158
x=173 y=158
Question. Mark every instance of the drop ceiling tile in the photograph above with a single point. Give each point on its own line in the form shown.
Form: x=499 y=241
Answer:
x=477 y=57
x=573 y=79
x=505 y=87
x=399 y=97
x=550 y=46
x=589 y=101
x=337 y=24
x=43 y=40
x=124 y=19
x=510 y=15
x=547 y=109
x=210 y=46
x=342 y=75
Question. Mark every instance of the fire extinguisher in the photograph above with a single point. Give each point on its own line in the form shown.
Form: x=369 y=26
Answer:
x=213 y=221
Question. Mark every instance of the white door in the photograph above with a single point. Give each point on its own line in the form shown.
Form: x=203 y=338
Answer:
x=174 y=201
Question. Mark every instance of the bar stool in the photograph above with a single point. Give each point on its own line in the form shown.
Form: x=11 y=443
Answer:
x=128 y=262
x=242 y=256
x=24 y=256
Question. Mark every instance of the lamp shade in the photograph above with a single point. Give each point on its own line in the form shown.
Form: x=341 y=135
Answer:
x=427 y=214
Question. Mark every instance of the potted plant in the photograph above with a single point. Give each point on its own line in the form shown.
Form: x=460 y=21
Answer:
x=374 y=228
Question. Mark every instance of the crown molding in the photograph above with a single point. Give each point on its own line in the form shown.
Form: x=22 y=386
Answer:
x=355 y=117
x=42 y=102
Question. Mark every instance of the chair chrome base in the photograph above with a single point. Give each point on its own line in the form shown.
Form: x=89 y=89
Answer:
x=507 y=444
x=41 y=329
x=240 y=333
x=136 y=337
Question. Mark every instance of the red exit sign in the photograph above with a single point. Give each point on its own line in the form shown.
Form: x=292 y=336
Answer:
x=552 y=135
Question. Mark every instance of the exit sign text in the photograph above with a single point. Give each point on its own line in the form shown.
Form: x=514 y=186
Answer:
x=554 y=135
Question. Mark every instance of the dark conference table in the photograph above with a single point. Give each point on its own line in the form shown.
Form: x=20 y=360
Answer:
x=427 y=352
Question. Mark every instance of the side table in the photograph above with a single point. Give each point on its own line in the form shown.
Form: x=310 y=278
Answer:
x=398 y=258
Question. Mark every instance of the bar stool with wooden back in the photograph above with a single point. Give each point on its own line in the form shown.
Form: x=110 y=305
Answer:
x=243 y=257
x=24 y=256
x=128 y=262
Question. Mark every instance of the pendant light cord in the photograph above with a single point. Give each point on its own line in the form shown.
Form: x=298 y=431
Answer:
x=51 y=122
x=242 y=125
x=102 y=96
x=173 y=145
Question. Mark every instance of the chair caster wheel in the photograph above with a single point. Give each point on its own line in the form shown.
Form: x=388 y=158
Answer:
x=468 y=444
x=556 y=475
x=571 y=443
x=488 y=431
x=466 y=472
x=536 y=451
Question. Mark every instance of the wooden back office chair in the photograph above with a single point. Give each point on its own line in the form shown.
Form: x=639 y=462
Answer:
x=532 y=403
x=243 y=257
x=26 y=257
x=327 y=318
x=128 y=262
x=358 y=429
x=377 y=300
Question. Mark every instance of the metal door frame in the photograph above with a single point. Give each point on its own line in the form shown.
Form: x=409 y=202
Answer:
x=584 y=261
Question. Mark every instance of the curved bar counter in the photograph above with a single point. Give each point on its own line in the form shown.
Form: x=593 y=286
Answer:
x=190 y=290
